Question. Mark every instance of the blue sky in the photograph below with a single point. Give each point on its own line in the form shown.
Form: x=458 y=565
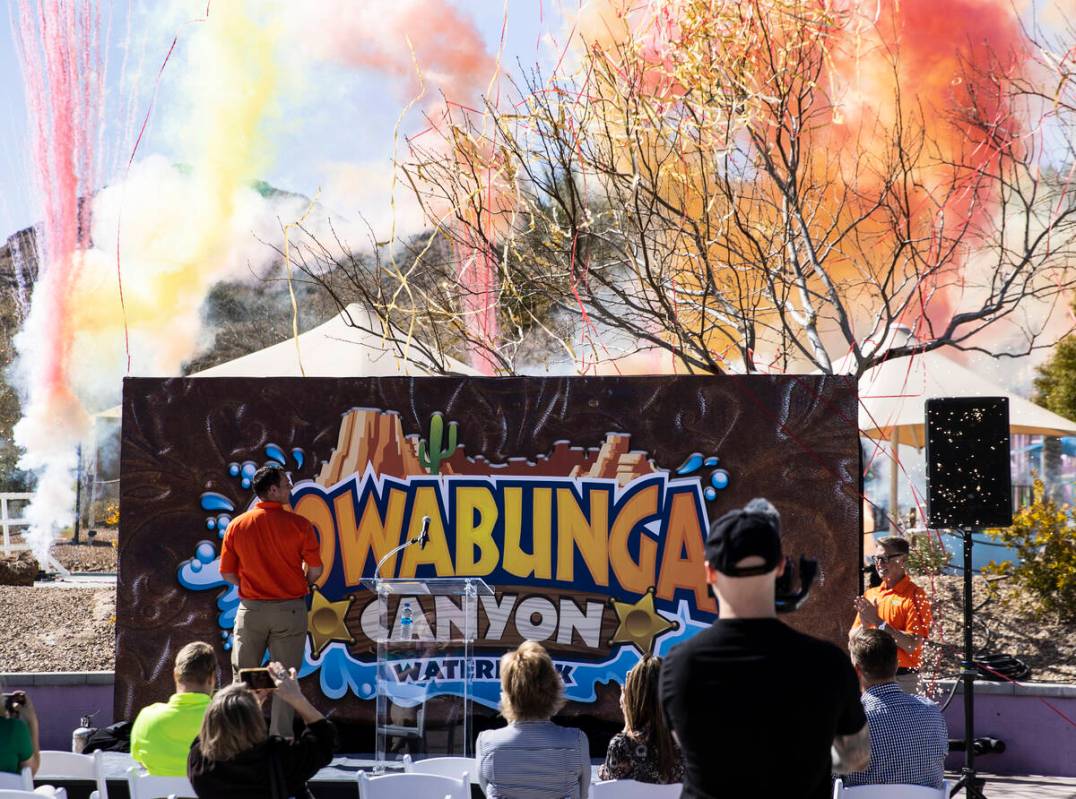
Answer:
x=347 y=117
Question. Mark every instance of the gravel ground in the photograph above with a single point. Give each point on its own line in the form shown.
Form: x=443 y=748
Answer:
x=1006 y=624
x=97 y=557
x=54 y=629
x=60 y=639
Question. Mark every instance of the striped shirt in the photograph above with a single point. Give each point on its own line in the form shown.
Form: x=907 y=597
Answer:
x=534 y=760
x=909 y=739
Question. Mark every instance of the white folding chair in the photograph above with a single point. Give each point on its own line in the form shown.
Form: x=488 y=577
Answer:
x=455 y=767
x=413 y=786
x=141 y=785
x=60 y=765
x=23 y=781
x=889 y=791
x=406 y=695
x=630 y=789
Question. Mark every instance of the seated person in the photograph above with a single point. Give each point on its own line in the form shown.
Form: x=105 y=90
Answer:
x=909 y=739
x=19 y=741
x=234 y=757
x=645 y=751
x=532 y=757
x=19 y=747
x=162 y=733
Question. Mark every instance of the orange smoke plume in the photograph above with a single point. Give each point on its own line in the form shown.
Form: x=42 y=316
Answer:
x=933 y=70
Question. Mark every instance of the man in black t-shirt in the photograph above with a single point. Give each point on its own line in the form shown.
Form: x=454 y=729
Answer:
x=758 y=708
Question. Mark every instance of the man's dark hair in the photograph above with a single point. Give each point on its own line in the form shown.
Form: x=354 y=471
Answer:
x=895 y=542
x=265 y=478
x=874 y=652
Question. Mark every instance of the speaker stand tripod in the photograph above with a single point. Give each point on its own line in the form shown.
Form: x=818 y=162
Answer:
x=969 y=780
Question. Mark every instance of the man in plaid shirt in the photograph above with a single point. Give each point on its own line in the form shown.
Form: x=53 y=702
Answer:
x=909 y=739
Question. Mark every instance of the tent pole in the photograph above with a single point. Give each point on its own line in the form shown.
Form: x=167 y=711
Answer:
x=894 y=469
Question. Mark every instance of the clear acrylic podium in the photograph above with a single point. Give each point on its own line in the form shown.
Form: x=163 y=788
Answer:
x=424 y=674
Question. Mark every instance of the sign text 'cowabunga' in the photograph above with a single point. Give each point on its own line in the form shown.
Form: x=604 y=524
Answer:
x=584 y=502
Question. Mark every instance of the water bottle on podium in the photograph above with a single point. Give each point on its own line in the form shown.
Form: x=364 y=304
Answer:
x=407 y=622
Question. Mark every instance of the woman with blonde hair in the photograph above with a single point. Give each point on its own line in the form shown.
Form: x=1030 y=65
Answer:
x=234 y=757
x=645 y=751
x=532 y=758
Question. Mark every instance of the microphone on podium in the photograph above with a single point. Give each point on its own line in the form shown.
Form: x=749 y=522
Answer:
x=421 y=539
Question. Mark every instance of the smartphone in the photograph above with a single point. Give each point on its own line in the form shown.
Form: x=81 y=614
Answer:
x=257 y=679
x=13 y=701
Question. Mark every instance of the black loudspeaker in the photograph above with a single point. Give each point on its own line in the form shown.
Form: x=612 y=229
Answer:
x=969 y=485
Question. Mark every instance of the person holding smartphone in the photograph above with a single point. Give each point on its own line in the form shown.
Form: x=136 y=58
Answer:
x=19 y=747
x=234 y=758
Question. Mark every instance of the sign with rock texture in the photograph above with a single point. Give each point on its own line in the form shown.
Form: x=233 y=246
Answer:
x=583 y=501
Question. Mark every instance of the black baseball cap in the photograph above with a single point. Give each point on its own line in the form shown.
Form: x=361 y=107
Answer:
x=753 y=530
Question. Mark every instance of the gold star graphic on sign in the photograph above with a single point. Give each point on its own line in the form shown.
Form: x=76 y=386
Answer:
x=325 y=622
x=640 y=623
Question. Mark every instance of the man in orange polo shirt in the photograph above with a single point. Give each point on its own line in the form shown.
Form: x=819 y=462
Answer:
x=264 y=553
x=898 y=606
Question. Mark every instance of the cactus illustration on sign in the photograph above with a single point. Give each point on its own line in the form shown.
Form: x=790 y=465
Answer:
x=431 y=454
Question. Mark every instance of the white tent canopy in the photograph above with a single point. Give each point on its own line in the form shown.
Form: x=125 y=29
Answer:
x=892 y=400
x=333 y=349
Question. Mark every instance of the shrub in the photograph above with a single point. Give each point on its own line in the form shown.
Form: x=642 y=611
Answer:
x=1044 y=543
x=928 y=555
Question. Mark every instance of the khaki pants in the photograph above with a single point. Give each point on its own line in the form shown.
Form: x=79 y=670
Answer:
x=280 y=626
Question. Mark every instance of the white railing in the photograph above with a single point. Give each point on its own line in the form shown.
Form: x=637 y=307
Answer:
x=5 y=517
x=6 y=523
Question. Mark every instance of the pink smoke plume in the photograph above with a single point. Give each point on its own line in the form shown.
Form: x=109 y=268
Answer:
x=448 y=48
x=438 y=60
x=60 y=52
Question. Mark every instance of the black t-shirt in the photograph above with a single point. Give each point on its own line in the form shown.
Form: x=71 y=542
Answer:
x=755 y=706
x=251 y=773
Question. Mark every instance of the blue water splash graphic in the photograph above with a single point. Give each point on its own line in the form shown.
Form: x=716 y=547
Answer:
x=299 y=456
x=273 y=452
x=693 y=462
x=212 y=501
x=202 y=573
x=719 y=478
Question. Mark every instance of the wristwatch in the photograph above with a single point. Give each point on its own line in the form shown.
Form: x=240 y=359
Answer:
x=882 y=626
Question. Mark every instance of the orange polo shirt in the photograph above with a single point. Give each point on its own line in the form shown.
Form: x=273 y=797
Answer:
x=266 y=547
x=904 y=607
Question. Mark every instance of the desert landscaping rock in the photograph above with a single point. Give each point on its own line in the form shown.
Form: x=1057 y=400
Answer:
x=99 y=557
x=51 y=629
x=18 y=570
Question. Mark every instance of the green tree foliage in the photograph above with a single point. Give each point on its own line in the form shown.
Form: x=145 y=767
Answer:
x=1055 y=386
x=1043 y=539
x=11 y=477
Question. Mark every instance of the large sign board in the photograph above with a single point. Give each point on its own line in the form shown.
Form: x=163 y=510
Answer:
x=583 y=501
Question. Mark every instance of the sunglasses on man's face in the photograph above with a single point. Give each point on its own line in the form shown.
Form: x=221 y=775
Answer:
x=881 y=560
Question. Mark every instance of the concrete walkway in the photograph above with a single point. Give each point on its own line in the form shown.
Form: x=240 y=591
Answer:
x=1027 y=787
x=83 y=580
